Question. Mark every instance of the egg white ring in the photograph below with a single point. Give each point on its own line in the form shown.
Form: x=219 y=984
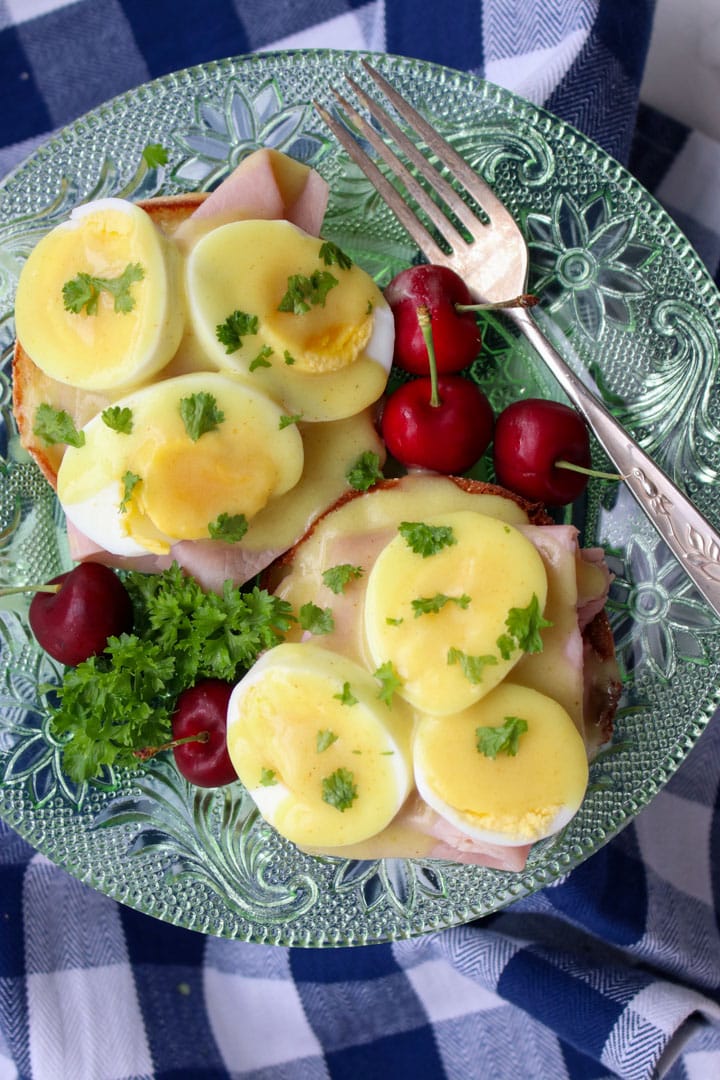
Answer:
x=464 y=823
x=99 y=519
x=381 y=344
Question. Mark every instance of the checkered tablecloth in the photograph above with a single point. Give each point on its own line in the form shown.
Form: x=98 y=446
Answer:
x=615 y=971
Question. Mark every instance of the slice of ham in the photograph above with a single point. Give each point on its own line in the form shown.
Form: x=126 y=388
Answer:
x=452 y=844
x=265 y=186
x=210 y=562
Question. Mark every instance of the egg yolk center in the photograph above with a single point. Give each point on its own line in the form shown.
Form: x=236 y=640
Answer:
x=187 y=488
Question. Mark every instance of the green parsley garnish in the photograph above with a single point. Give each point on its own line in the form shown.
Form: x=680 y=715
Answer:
x=346 y=696
x=130 y=482
x=286 y=421
x=523 y=626
x=472 y=666
x=83 y=291
x=339 y=790
x=316 y=620
x=330 y=253
x=155 y=154
x=261 y=360
x=200 y=414
x=390 y=682
x=231 y=332
x=324 y=739
x=365 y=472
x=228 y=527
x=288 y=357
x=430 y=605
x=503 y=739
x=424 y=539
x=390 y=621
x=337 y=577
x=306 y=291
x=268 y=777
x=122 y=700
x=56 y=426
x=118 y=418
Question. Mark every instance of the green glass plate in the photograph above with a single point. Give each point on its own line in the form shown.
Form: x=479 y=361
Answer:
x=628 y=301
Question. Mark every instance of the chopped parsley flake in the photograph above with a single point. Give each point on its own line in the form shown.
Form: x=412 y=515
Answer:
x=130 y=482
x=324 y=739
x=200 y=414
x=289 y=358
x=472 y=666
x=118 y=418
x=305 y=291
x=337 y=577
x=56 y=426
x=316 y=620
x=523 y=630
x=83 y=291
x=330 y=253
x=346 y=696
x=430 y=605
x=425 y=539
x=261 y=360
x=339 y=789
x=286 y=421
x=365 y=471
x=155 y=154
x=228 y=527
x=503 y=739
x=268 y=777
x=231 y=332
x=390 y=682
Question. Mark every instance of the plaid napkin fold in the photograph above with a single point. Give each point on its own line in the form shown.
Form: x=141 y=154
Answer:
x=614 y=971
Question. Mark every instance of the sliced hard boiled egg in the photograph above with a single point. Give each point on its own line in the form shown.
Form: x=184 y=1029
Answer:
x=187 y=459
x=97 y=301
x=325 y=759
x=438 y=601
x=529 y=789
x=315 y=334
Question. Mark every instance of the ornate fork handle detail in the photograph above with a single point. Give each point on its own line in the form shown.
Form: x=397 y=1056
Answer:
x=687 y=533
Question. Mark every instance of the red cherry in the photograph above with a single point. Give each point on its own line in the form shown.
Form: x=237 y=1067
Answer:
x=456 y=334
x=531 y=437
x=448 y=437
x=201 y=718
x=74 y=622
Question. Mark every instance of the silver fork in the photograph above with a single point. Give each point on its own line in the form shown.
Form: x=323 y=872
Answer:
x=494 y=264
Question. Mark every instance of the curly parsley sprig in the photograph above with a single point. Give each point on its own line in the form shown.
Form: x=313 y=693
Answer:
x=123 y=699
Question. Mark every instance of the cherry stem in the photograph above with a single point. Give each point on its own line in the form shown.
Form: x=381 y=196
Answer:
x=597 y=473
x=423 y=316
x=524 y=300
x=14 y=589
x=150 y=751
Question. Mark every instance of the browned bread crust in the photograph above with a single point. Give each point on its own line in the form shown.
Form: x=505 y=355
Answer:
x=535 y=511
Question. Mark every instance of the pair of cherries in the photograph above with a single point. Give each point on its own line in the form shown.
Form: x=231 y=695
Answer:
x=72 y=618
x=442 y=421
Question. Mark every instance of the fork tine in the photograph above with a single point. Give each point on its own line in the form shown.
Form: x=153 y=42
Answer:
x=442 y=187
x=445 y=227
x=430 y=249
x=473 y=184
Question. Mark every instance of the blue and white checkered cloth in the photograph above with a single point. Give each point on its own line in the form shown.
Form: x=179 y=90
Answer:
x=615 y=971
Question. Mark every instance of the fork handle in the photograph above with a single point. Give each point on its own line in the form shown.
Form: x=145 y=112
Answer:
x=687 y=533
